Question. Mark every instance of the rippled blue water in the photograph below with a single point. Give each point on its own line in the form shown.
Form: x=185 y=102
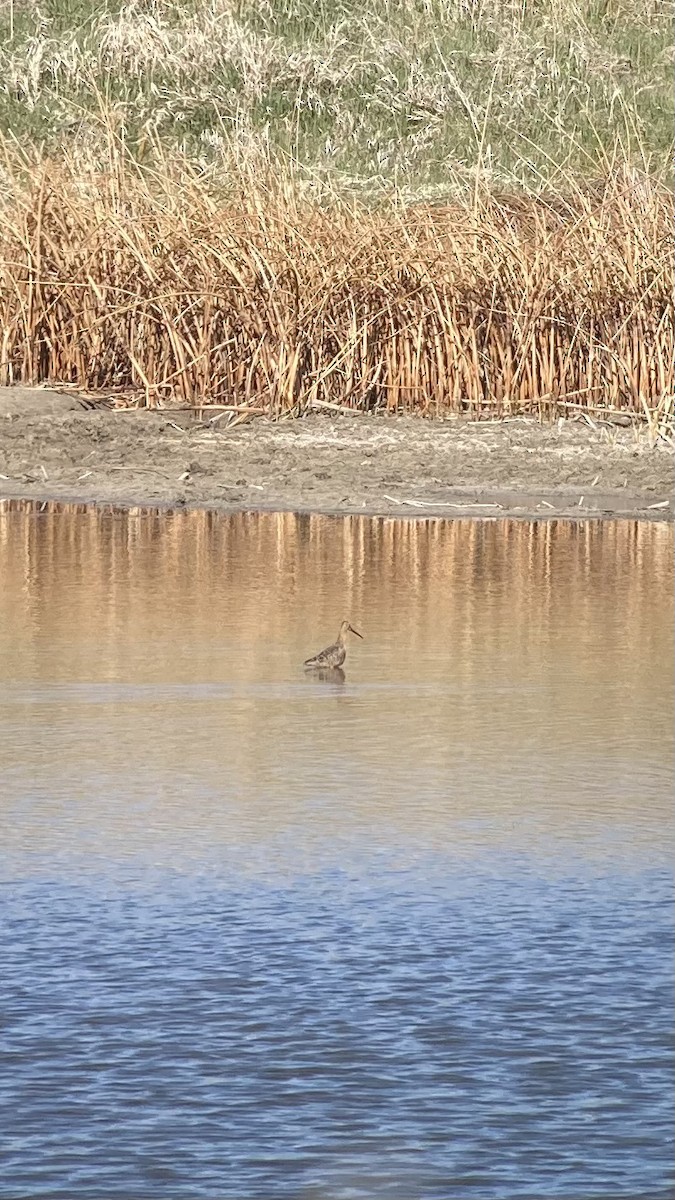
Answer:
x=356 y=966
x=430 y=1032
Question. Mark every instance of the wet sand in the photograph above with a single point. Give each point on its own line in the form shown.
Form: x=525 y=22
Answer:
x=52 y=448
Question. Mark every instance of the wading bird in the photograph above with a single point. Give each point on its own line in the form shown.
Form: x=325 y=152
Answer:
x=333 y=656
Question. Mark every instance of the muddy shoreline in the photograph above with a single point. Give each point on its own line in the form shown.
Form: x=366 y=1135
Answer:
x=52 y=448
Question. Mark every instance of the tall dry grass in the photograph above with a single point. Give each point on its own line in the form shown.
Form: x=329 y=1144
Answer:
x=368 y=95
x=272 y=301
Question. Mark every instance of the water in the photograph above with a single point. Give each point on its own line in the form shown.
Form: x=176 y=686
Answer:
x=403 y=935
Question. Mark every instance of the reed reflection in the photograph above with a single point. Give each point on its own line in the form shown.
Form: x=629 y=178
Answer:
x=511 y=674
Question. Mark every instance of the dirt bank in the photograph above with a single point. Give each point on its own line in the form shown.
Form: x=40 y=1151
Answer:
x=53 y=448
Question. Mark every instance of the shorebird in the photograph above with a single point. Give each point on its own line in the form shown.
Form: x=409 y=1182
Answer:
x=333 y=656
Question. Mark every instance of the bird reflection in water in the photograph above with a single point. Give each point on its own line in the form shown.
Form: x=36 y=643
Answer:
x=334 y=675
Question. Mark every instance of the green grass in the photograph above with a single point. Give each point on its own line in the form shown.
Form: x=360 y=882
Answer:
x=367 y=96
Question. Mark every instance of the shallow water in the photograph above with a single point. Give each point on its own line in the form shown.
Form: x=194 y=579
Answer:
x=406 y=934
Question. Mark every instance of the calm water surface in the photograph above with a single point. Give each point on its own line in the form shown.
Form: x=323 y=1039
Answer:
x=406 y=934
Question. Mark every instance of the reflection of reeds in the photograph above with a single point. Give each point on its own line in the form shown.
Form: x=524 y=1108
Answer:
x=526 y=635
x=269 y=303
x=513 y=673
x=254 y=578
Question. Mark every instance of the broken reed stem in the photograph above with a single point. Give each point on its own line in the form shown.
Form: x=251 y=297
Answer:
x=267 y=303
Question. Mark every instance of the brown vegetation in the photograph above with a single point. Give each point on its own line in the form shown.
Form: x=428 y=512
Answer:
x=267 y=301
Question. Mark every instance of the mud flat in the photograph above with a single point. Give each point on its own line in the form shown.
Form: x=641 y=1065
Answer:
x=53 y=448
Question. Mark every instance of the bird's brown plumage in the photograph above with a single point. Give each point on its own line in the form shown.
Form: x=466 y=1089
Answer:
x=333 y=656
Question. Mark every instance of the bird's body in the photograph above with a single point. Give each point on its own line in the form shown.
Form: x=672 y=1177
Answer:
x=333 y=656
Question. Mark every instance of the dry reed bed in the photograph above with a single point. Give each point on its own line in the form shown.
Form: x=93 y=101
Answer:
x=270 y=303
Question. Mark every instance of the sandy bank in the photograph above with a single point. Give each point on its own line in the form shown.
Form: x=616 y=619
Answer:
x=52 y=448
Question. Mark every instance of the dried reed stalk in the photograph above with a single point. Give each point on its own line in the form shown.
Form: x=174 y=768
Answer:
x=262 y=301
